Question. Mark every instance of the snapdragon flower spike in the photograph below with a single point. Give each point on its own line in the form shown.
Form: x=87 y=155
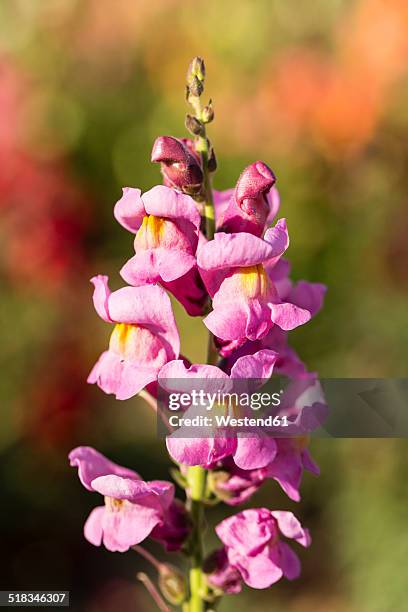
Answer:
x=254 y=547
x=180 y=165
x=133 y=507
x=249 y=451
x=246 y=303
x=166 y=224
x=252 y=203
x=144 y=338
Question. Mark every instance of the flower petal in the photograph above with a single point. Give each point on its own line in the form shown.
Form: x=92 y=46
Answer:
x=152 y=265
x=258 y=365
x=254 y=452
x=162 y=201
x=101 y=296
x=288 y=316
x=291 y=528
x=129 y=210
x=91 y=464
x=233 y=250
x=93 y=530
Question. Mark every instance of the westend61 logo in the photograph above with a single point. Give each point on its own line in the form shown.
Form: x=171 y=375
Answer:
x=204 y=399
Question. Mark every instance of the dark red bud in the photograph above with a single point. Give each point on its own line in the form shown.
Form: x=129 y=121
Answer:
x=252 y=186
x=180 y=166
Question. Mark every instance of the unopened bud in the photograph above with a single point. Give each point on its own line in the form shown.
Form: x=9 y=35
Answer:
x=194 y=125
x=252 y=186
x=179 y=164
x=212 y=161
x=207 y=114
x=195 y=87
x=172 y=584
x=196 y=69
x=251 y=203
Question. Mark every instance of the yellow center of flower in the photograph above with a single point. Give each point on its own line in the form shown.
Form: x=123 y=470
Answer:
x=138 y=345
x=113 y=504
x=254 y=280
x=150 y=232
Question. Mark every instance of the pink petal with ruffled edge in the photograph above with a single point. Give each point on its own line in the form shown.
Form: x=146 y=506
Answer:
x=91 y=464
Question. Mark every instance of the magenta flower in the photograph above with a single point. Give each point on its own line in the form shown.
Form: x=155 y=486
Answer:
x=249 y=450
x=133 y=508
x=252 y=203
x=253 y=545
x=144 y=338
x=166 y=224
x=180 y=165
x=246 y=303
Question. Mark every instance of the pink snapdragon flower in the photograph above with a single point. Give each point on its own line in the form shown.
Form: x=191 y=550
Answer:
x=252 y=203
x=166 y=224
x=309 y=296
x=253 y=545
x=133 y=508
x=246 y=304
x=144 y=338
x=250 y=450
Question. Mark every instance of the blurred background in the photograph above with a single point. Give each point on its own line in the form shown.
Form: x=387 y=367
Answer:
x=319 y=91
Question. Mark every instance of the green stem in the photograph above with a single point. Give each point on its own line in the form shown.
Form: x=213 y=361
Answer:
x=196 y=477
x=204 y=150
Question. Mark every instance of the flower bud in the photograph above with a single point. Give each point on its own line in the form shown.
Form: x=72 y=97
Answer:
x=207 y=114
x=252 y=186
x=196 y=69
x=194 y=125
x=179 y=165
x=212 y=161
x=195 y=87
x=172 y=584
x=251 y=203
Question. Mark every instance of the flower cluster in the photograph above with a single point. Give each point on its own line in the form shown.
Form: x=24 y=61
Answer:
x=220 y=254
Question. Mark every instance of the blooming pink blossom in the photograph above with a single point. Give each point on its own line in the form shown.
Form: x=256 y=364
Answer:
x=166 y=224
x=246 y=303
x=144 y=338
x=133 y=507
x=253 y=545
